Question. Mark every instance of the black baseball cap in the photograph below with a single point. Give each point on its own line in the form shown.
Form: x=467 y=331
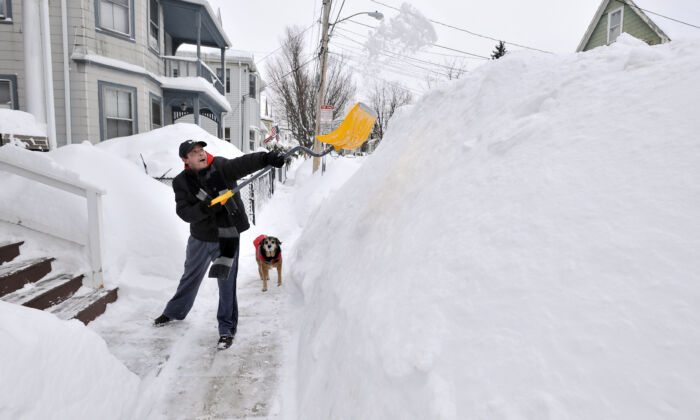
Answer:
x=187 y=146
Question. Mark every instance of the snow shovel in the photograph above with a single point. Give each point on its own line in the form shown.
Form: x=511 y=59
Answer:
x=351 y=133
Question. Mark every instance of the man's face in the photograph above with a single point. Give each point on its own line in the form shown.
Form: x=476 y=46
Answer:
x=196 y=158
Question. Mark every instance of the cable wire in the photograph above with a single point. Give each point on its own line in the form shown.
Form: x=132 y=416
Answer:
x=469 y=32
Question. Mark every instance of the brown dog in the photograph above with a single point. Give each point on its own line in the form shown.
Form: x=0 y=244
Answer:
x=268 y=254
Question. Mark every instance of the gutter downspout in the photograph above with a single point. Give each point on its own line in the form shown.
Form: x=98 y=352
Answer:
x=240 y=92
x=48 y=73
x=66 y=74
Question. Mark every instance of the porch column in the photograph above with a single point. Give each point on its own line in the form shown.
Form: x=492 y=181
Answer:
x=223 y=68
x=199 y=43
x=220 y=126
x=196 y=110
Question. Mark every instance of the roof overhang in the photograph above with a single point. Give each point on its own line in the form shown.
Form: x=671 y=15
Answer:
x=179 y=19
x=599 y=14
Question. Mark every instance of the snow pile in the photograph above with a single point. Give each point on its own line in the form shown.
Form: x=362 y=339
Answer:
x=523 y=244
x=20 y=122
x=159 y=148
x=59 y=370
x=142 y=234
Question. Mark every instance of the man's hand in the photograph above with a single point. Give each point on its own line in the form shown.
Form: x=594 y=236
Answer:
x=275 y=159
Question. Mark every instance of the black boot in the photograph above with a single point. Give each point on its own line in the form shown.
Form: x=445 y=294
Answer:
x=224 y=342
x=161 y=320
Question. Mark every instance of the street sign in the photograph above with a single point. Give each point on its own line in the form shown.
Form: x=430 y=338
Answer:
x=326 y=119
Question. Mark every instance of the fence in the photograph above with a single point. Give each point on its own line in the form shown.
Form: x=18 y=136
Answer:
x=257 y=193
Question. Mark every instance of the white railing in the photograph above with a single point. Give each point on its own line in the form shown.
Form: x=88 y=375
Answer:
x=177 y=66
x=93 y=194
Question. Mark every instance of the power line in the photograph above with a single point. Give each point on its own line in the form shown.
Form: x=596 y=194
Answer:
x=405 y=58
x=666 y=17
x=392 y=68
x=398 y=85
x=469 y=32
x=435 y=45
x=280 y=47
x=291 y=71
x=403 y=55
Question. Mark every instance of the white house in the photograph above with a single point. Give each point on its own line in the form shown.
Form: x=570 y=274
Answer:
x=96 y=69
x=242 y=125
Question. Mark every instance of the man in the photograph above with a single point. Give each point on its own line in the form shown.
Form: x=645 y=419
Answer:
x=214 y=230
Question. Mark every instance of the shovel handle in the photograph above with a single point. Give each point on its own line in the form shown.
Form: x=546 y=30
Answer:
x=228 y=194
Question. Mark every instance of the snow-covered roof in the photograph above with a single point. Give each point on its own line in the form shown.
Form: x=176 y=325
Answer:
x=670 y=19
x=214 y=54
x=20 y=122
x=214 y=17
x=196 y=84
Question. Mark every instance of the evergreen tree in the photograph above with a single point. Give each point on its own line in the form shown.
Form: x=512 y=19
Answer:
x=500 y=51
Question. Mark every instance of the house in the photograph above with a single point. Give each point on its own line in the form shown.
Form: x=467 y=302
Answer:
x=97 y=69
x=653 y=21
x=243 y=89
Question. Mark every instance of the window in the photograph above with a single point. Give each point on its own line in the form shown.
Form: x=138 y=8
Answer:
x=118 y=110
x=114 y=15
x=228 y=78
x=153 y=25
x=3 y=9
x=251 y=86
x=227 y=134
x=6 y=94
x=614 y=25
x=251 y=143
x=156 y=113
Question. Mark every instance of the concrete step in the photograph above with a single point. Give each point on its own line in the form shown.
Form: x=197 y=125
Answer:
x=14 y=275
x=85 y=306
x=47 y=292
x=9 y=251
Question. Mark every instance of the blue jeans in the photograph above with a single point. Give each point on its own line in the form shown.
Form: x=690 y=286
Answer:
x=198 y=257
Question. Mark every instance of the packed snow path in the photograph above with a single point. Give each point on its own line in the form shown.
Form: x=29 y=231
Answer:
x=185 y=377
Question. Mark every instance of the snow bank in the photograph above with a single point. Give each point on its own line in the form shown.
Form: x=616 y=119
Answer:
x=142 y=234
x=20 y=122
x=59 y=370
x=159 y=148
x=523 y=244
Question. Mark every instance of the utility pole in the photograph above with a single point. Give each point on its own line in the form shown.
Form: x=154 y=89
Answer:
x=322 y=80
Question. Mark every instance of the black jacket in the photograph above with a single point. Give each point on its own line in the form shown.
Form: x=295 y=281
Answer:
x=186 y=185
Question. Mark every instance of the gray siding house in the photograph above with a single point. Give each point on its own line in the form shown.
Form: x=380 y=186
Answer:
x=97 y=69
x=634 y=17
x=243 y=88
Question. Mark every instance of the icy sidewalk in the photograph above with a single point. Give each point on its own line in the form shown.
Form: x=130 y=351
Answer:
x=183 y=375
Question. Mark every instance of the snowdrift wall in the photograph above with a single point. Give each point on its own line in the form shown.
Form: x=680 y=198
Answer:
x=523 y=244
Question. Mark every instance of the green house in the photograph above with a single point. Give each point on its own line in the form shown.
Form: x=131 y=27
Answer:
x=614 y=17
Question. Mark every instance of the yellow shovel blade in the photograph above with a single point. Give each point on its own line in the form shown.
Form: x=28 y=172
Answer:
x=222 y=199
x=354 y=129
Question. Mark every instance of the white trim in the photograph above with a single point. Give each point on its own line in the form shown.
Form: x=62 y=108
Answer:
x=92 y=193
x=132 y=109
x=620 y=9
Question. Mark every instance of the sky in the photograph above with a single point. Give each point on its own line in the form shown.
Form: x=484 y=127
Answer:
x=550 y=25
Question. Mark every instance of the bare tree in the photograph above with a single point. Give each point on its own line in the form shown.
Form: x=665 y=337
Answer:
x=450 y=70
x=385 y=99
x=295 y=88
